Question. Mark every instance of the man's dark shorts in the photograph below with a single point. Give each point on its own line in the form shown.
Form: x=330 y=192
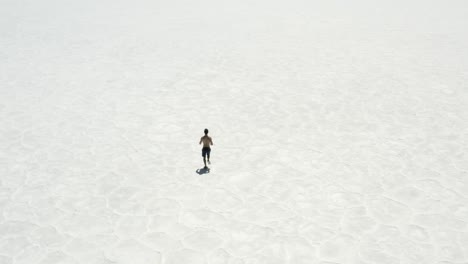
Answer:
x=206 y=151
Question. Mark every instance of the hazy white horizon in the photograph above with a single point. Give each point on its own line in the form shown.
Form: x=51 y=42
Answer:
x=340 y=132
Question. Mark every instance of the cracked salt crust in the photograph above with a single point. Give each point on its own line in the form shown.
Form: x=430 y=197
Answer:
x=340 y=132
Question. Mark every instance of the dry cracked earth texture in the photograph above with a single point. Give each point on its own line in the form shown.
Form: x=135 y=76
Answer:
x=340 y=132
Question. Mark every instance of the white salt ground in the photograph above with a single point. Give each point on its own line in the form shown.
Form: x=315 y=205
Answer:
x=340 y=132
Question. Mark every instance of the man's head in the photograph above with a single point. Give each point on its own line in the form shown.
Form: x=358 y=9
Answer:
x=206 y=131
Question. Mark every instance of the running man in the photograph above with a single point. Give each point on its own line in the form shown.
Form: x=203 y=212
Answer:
x=207 y=142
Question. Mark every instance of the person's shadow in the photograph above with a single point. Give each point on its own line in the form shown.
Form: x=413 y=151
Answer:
x=203 y=171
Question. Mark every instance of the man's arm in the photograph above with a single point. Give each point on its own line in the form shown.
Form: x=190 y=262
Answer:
x=200 y=141
x=211 y=141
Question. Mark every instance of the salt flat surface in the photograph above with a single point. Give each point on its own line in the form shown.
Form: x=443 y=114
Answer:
x=340 y=132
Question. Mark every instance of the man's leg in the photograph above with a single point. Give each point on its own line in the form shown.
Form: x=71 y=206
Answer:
x=204 y=157
x=208 y=154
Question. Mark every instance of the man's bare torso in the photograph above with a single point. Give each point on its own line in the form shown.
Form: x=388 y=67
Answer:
x=206 y=140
